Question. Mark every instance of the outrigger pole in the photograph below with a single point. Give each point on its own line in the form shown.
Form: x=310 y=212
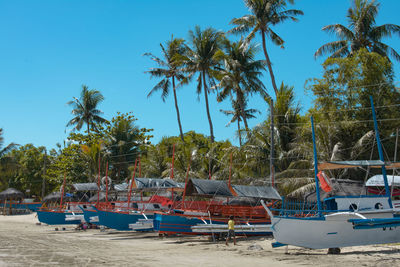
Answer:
x=316 y=168
x=378 y=142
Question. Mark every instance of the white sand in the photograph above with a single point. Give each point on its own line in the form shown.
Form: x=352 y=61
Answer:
x=23 y=243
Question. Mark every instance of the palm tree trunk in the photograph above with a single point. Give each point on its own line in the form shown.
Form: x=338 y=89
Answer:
x=240 y=135
x=88 y=128
x=207 y=108
x=177 y=109
x=269 y=65
x=242 y=112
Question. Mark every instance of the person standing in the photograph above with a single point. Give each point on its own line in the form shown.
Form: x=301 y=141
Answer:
x=231 y=231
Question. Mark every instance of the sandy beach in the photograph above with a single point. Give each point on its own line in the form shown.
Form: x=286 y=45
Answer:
x=24 y=243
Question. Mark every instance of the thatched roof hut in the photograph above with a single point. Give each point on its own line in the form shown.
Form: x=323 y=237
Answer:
x=11 y=193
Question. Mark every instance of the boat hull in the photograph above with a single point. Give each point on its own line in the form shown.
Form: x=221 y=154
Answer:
x=89 y=215
x=56 y=217
x=332 y=231
x=182 y=224
x=118 y=220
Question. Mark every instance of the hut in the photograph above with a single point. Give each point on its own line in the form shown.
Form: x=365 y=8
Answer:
x=10 y=196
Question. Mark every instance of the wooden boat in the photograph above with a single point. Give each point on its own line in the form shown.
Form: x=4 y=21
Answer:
x=207 y=220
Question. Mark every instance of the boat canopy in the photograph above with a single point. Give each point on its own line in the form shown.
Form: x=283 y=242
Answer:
x=332 y=165
x=85 y=187
x=11 y=193
x=267 y=192
x=157 y=183
x=218 y=188
x=56 y=196
x=377 y=180
x=150 y=184
x=207 y=188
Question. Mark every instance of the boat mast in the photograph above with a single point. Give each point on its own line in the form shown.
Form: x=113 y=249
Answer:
x=271 y=160
x=316 y=169
x=378 y=142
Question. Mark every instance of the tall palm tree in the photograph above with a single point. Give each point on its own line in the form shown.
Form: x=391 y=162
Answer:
x=265 y=14
x=361 y=33
x=202 y=58
x=237 y=114
x=170 y=69
x=85 y=109
x=240 y=74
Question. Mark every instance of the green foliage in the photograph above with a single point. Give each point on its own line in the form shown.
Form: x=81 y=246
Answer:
x=362 y=33
x=27 y=171
x=85 y=109
x=123 y=144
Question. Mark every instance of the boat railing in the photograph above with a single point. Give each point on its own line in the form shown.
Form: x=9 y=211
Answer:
x=297 y=208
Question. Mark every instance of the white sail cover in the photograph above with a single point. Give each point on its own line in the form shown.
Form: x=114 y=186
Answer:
x=377 y=180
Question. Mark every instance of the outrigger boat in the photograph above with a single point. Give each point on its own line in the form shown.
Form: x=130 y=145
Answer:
x=242 y=202
x=120 y=214
x=65 y=212
x=345 y=221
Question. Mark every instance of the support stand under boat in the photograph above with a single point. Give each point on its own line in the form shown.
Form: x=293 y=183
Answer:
x=333 y=250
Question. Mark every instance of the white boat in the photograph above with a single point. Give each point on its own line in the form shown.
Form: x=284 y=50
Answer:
x=355 y=221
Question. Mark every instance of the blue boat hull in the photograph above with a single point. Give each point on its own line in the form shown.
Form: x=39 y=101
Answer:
x=119 y=221
x=55 y=218
x=90 y=213
x=181 y=224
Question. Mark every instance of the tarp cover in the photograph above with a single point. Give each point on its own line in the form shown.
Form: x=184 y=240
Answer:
x=121 y=187
x=150 y=183
x=267 y=192
x=208 y=188
x=85 y=187
x=56 y=196
x=377 y=180
x=331 y=165
x=11 y=193
x=156 y=183
x=340 y=187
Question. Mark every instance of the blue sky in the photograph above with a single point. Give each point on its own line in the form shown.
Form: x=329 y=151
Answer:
x=48 y=49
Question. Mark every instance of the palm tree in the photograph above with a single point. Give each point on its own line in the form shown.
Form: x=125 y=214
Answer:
x=361 y=33
x=85 y=109
x=240 y=74
x=169 y=69
x=237 y=114
x=265 y=13
x=5 y=150
x=202 y=58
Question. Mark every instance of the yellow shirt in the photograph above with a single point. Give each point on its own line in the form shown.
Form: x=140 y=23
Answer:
x=231 y=225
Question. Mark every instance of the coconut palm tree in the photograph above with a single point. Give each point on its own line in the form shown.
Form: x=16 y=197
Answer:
x=240 y=75
x=8 y=148
x=265 y=14
x=85 y=109
x=361 y=33
x=238 y=114
x=201 y=59
x=170 y=70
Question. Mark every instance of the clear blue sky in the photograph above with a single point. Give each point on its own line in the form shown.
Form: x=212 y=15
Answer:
x=48 y=49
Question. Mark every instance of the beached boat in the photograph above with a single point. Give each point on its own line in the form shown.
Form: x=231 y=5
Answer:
x=58 y=209
x=242 y=202
x=121 y=214
x=347 y=221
